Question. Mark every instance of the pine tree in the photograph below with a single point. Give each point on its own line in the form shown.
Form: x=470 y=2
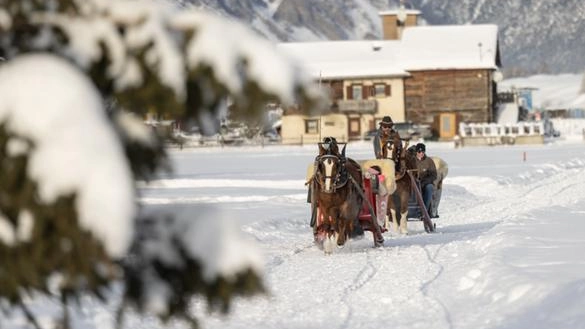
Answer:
x=142 y=60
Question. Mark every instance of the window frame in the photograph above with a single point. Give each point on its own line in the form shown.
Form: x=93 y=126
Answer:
x=383 y=92
x=309 y=128
x=360 y=94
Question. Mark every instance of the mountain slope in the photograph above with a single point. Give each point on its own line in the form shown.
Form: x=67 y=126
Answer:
x=536 y=36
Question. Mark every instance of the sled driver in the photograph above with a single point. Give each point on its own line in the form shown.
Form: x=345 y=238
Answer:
x=386 y=134
x=427 y=174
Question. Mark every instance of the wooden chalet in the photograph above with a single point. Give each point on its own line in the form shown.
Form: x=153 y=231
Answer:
x=437 y=75
x=453 y=69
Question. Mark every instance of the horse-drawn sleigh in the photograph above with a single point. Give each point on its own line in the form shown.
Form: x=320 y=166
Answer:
x=349 y=197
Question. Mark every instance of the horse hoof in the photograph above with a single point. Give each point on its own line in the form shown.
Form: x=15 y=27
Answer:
x=328 y=245
x=327 y=248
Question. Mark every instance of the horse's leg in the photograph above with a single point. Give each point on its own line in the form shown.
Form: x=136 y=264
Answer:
x=435 y=202
x=391 y=212
x=322 y=225
x=329 y=244
x=404 y=196
x=348 y=217
x=341 y=233
x=395 y=220
x=354 y=228
x=398 y=212
x=387 y=213
x=330 y=229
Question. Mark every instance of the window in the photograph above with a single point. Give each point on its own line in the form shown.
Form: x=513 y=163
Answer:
x=311 y=126
x=354 y=128
x=446 y=124
x=356 y=91
x=337 y=90
x=381 y=90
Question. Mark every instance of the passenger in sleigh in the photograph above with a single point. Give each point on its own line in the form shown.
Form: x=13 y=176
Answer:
x=373 y=173
x=427 y=174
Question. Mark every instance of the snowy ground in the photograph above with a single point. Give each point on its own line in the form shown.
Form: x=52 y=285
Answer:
x=508 y=252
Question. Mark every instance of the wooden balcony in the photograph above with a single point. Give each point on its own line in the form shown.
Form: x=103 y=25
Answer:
x=357 y=106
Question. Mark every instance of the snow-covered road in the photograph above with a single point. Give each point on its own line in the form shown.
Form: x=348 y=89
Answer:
x=508 y=252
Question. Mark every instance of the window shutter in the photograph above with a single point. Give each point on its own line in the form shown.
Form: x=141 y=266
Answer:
x=349 y=92
x=388 y=90
x=337 y=89
x=365 y=92
x=373 y=91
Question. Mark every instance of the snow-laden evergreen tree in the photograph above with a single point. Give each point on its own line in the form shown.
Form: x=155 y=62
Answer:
x=75 y=80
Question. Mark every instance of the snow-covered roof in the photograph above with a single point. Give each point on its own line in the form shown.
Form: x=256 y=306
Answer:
x=345 y=59
x=449 y=47
x=355 y=69
x=579 y=102
x=396 y=12
x=421 y=48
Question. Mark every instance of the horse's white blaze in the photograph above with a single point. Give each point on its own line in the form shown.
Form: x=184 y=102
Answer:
x=328 y=170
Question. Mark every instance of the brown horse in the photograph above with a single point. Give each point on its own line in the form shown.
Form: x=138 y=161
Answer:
x=398 y=201
x=334 y=186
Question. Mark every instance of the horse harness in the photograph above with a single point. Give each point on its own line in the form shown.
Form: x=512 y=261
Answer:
x=338 y=180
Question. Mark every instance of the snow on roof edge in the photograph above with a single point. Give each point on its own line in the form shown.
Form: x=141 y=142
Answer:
x=396 y=11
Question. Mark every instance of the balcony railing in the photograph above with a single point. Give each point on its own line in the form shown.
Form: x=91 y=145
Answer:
x=357 y=106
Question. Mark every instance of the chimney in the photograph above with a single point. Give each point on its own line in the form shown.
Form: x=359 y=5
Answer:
x=395 y=21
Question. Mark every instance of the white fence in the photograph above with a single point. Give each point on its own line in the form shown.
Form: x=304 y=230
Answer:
x=498 y=134
x=570 y=127
x=501 y=130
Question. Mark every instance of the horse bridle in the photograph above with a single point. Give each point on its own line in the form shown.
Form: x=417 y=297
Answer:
x=401 y=154
x=336 y=181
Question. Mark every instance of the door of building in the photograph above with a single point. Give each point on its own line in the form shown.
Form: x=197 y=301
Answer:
x=355 y=131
